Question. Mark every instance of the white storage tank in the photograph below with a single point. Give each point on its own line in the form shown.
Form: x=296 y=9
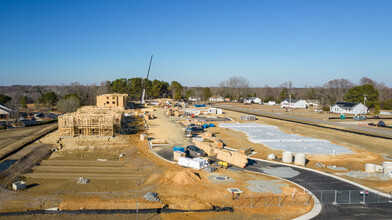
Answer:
x=379 y=168
x=271 y=156
x=300 y=159
x=387 y=168
x=386 y=163
x=370 y=168
x=287 y=157
x=389 y=174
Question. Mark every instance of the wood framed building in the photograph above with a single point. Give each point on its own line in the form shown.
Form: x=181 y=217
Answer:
x=91 y=121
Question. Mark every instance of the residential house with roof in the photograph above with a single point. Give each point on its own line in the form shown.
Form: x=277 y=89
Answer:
x=294 y=103
x=194 y=99
x=4 y=112
x=216 y=99
x=252 y=100
x=312 y=102
x=348 y=108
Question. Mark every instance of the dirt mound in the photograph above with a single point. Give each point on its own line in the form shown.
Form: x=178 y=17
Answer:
x=182 y=177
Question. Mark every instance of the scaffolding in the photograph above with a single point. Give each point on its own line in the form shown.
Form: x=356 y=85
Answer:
x=91 y=121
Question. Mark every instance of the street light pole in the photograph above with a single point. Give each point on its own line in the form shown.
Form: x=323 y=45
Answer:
x=364 y=103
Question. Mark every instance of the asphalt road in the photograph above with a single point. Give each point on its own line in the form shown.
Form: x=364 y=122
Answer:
x=315 y=182
x=373 y=131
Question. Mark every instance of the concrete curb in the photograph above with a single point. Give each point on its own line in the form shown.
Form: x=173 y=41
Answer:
x=327 y=174
x=150 y=146
x=316 y=206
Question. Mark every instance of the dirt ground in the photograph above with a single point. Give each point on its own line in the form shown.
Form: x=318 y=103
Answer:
x=161 y=128
x=120 y=182
x=366 y=149
x=14 y=138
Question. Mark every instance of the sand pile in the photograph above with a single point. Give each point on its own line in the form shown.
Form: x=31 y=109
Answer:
x=182 y=177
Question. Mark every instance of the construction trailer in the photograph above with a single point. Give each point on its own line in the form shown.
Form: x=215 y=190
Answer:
x=91 y=121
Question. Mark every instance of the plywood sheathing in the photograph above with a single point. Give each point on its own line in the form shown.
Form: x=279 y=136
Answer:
x=112 y=100
x=232 y=157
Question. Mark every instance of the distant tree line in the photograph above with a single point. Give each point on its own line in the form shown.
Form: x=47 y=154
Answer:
x=375 y=93
x=68 y=98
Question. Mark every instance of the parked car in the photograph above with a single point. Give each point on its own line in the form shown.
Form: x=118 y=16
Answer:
x=40 y=115
x=190 y=131
x=194 y=151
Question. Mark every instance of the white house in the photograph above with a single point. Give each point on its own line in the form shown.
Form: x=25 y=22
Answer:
x=312 y=102
x=271 y=103
x=295 y=103
x=252 y=100
x=348 y=108
x=216 y=99
x=194 y=99
x=5 y=112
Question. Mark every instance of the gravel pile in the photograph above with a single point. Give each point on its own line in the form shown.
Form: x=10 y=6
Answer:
x=367 y=176
x=152 y=197
x=83 y=180
x=337 y=168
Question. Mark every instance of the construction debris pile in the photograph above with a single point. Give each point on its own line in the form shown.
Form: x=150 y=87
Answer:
x=152 y=197
x=83 y=180
x=174 y=112
x=91 y=120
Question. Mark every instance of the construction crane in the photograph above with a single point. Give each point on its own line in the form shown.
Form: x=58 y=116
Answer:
x=144 y=84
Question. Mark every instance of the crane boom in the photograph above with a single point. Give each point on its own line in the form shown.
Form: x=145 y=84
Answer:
x=148 y=74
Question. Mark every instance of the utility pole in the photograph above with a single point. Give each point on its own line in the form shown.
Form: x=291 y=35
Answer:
x=364 y=102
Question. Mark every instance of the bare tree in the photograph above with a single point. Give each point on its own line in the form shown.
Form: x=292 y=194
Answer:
x=335 y=89
x=237 y=85
x=366 y=80
x=104 y=88
x=69 y=104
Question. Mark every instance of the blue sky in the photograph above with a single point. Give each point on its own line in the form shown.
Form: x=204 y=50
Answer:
x=195 y=42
